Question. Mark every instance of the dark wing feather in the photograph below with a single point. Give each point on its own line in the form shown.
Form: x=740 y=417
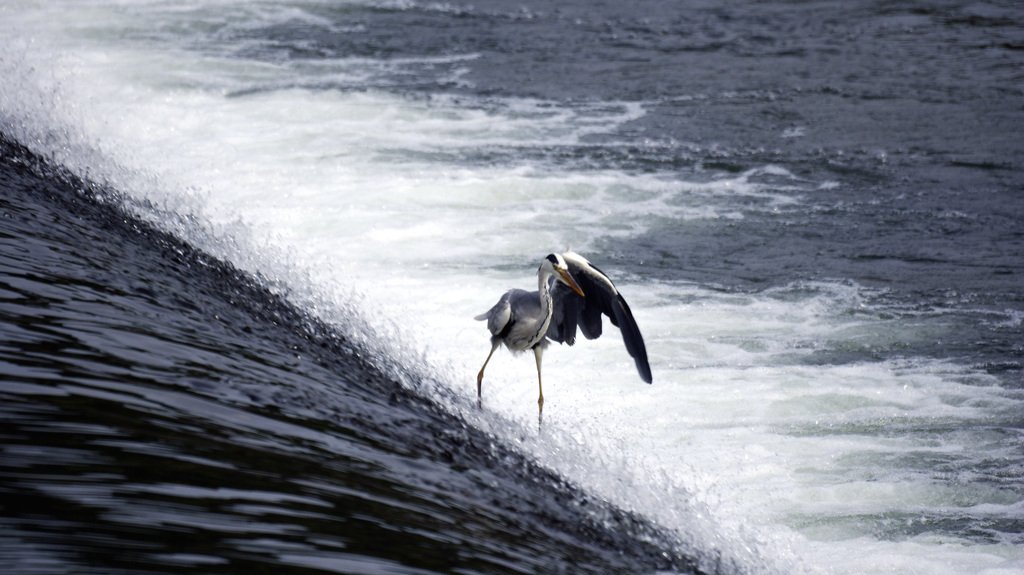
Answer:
x=564 y=313
x=570 y=310
x=631 y=337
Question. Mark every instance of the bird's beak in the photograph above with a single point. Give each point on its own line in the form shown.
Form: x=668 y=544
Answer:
x=569 y=281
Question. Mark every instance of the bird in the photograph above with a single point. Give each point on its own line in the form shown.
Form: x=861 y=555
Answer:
x=571 y=292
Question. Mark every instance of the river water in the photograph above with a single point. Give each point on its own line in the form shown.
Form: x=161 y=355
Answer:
x=244 y=243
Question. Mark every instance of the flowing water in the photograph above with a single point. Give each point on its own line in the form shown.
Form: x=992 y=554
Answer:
x=244 y=241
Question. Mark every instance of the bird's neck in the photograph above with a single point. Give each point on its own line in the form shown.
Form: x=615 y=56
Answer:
x=545 y=308
x=544 y=289
x=545 y=299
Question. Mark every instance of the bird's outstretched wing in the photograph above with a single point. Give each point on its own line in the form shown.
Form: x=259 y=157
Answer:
x=601 y=298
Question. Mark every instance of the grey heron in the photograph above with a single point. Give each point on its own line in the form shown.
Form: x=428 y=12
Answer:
x=570 y=292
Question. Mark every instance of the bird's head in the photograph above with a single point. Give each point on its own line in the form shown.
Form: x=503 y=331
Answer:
x=554 y=265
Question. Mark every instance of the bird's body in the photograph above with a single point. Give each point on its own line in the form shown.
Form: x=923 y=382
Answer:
x=571 y=292
x=519 y=320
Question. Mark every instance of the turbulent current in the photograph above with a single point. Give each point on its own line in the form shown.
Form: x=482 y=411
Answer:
x=243 y=244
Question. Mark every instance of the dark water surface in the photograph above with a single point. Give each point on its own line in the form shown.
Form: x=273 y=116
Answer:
x=160 y=412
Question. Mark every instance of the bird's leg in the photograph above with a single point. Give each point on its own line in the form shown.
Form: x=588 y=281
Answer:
x=480 y=376
x=538 y=353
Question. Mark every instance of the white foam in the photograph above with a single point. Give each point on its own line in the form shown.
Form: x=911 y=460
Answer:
x=360 y=206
